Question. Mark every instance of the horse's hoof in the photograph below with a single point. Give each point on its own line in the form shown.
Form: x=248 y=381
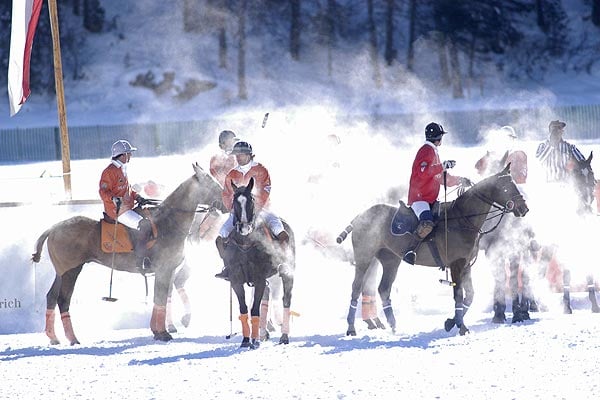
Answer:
x=370 y=324
x=351 y=331
x=74 y=342
x=567 y=310
x=284 y=339
x=171 y=328
x=265 y=336
x=255 y=344
x=245 y=343
x=185 y=320
x=533 y=306
x=163 y=336
x=449 y=324
x=516 y=318
x=596 y=309
x=499 y=318
x=463 y=330
x=379 y=324
x=54 y=342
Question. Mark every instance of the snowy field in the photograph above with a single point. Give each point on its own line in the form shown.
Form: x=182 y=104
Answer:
x=552 y=356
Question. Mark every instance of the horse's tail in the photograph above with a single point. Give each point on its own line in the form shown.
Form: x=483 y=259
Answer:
x=342 y=236
x=39 y=245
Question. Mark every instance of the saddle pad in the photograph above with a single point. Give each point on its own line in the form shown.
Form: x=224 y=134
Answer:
x=403 y=221
x=122 y=243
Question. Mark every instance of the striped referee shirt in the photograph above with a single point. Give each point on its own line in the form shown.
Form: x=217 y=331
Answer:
x=555 y=157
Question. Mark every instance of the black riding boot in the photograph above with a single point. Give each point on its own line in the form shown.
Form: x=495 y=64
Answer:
x=143 y=236
x=220 y=243
x=425 y=224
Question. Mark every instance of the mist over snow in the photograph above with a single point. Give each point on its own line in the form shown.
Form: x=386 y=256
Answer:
x=327 y=164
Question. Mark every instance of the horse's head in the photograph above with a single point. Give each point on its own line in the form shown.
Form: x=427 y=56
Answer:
x=584 y=181
x=210 y=190
x=243 y=208
x=501 y=189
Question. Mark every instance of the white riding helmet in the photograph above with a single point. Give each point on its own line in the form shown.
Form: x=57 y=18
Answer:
x=121 y=147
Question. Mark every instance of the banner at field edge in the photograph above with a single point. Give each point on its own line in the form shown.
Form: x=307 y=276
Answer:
x=25 y=16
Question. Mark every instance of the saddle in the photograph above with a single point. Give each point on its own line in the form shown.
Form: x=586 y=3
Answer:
x=405 y=222
x=122 y=242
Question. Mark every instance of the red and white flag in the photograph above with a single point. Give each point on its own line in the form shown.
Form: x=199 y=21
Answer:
x=25 y=16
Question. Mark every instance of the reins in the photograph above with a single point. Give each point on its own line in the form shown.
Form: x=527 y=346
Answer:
x=500 y=212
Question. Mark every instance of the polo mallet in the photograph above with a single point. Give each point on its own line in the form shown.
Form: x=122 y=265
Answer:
x=112 y=264
x=446 y=281
x=231 y=333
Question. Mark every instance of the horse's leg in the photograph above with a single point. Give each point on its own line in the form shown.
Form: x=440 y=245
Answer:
x=181 y=278
x=51 y=301
x=526 y=294
x=519 y=309
x=169 y=312
x=238 y=289
x=567 y=291
x=264 y=313
x=369 y=301
x=259 y=290
x=591 y=287
x=162 y=284
x=499 y=274
x=461 y=276
x=288 y=284
x=64 y=302
x=357 y=286
x=390 y=263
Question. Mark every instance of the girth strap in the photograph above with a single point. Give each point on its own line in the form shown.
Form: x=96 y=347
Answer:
x=436 y=254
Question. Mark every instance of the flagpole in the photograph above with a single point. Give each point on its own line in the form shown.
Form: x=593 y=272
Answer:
x=60 y=98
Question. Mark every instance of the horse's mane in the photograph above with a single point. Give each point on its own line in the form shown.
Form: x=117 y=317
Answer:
x=191 y=188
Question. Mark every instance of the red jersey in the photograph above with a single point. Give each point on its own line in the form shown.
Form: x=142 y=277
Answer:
x=114 y=183
x=426 y=176
x=220 y=165
x=517 y=160
x=262 y=184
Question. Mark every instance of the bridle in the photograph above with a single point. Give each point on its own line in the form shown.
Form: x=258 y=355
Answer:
x=238 y=224
x=500 y=209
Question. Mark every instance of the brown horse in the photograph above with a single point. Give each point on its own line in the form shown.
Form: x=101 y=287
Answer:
x=372 y=239
x=76 y=241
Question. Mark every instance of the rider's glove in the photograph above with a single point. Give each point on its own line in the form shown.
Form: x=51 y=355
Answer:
x=448 y=164
x=142 y=201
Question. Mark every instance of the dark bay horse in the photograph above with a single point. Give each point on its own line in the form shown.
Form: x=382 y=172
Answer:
x=372 y=239
x=253 y=256
x=76 y=241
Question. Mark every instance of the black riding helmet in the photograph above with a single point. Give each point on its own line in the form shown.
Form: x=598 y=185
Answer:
x=242 y=147
x=434 y=131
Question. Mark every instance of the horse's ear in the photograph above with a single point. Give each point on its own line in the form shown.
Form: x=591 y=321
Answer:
x=234 y=186
x=506 y=170
x=590 y=157
x=250 y=185
x=197 y=169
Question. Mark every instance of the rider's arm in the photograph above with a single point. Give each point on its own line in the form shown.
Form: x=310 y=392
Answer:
x=262 y=185
x=227 y=194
